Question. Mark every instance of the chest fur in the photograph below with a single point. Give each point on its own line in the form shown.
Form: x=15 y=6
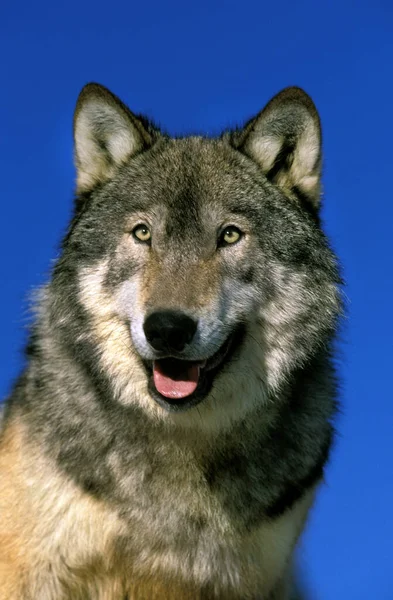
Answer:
x=160 y=525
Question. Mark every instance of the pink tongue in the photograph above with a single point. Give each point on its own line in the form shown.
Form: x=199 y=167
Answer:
x=176 y=383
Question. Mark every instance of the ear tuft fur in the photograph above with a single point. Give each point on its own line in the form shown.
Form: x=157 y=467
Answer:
x=285 y=140
x=106 y=135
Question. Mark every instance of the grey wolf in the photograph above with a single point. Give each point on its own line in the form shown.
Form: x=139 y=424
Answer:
x=170 y=430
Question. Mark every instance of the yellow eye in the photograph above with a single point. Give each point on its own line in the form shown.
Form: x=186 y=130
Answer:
x=230 y=235
x=142 y=233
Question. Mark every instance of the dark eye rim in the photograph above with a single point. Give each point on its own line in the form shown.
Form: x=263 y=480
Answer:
x=221 y=243
x=141 y=226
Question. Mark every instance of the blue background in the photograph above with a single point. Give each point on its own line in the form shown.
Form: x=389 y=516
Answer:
x=202 y=66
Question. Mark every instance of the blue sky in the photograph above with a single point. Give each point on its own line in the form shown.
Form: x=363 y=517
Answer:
x=200 y=67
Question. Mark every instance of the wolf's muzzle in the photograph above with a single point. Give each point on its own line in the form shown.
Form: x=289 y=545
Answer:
x=169 y=331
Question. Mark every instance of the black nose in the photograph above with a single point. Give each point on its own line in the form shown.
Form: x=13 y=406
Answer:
x=168 y=330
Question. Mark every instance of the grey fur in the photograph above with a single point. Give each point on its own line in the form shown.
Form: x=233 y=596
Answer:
x=196 y=490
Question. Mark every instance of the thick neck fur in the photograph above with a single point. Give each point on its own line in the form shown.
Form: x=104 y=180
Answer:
x=98 y=442
x=190 y=503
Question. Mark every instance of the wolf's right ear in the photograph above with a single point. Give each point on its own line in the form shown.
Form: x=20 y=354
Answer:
x=106 y=135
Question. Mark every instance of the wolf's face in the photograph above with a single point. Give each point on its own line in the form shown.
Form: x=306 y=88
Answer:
x=197 y=271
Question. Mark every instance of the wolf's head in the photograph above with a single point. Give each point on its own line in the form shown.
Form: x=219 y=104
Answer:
x=195 y=271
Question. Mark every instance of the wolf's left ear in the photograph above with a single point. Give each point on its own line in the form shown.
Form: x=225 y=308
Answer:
x=106 y=135
x=285 y=140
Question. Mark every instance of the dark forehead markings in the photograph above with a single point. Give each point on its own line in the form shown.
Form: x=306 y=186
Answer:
x=249 y=211
x=184 y=213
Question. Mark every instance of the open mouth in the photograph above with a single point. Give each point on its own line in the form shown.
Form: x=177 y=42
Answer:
x=177 y=385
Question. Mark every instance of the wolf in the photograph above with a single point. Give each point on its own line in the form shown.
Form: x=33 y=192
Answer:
x=171 y=427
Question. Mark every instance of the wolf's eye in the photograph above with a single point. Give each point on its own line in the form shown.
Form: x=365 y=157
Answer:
x=142 y=233
x=229 y=235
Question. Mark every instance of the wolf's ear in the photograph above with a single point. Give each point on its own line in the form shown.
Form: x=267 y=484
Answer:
x=106 y=134
x=285 y=140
